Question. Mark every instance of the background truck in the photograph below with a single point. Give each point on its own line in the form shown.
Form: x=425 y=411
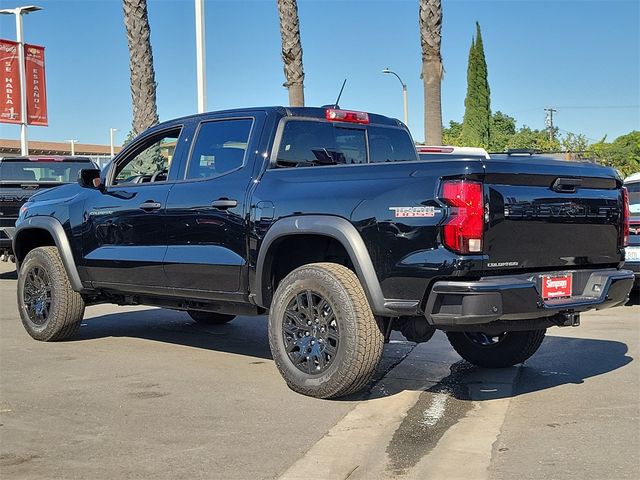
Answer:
x=327 y=220
x=21 y=177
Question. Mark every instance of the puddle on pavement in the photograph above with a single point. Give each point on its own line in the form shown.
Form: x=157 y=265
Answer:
x=436 y=410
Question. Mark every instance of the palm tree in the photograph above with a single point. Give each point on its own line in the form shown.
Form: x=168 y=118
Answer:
x=292 y=51
x=432 y=71
x=143 y=83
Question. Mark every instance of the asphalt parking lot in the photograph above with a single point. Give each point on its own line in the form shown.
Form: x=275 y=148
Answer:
x=145 y=393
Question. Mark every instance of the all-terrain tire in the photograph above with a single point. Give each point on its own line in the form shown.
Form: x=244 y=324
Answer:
x=210 y=318
x=511 y=349
x=66 y=307
x=361 y=341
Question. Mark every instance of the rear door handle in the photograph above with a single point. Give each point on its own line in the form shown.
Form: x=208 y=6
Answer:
x=224 y=203
x=150 y=206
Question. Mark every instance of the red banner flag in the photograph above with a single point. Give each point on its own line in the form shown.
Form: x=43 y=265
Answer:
x=36 y=86
x=10 y=87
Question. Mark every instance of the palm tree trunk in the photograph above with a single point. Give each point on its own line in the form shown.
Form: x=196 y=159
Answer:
x=143 y=83
x=432 y=70
x=291 y=51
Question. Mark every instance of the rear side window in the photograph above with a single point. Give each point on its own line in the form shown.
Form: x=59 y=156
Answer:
x=307 y=144
x=390 y=145
x=219 y=148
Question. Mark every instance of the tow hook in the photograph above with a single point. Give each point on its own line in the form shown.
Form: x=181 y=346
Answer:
x=567 y=319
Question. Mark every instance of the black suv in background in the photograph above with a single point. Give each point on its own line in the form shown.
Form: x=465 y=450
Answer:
x=21 y=177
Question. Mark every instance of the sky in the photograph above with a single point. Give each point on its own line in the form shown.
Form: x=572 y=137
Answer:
x=580 y=57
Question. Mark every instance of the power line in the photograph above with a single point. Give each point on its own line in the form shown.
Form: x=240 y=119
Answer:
x=581 y=107
x=549 y=121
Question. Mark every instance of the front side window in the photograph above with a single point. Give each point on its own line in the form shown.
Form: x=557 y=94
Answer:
x=152 y=161
x=306 y=143
x=219 y=148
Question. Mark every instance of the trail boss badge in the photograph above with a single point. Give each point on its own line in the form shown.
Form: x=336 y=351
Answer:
x=403 y=212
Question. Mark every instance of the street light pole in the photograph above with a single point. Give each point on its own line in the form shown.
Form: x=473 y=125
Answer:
x=18 y=12
x=111 y=132
x=201 y=73
x=405 y=97
x=73 y=146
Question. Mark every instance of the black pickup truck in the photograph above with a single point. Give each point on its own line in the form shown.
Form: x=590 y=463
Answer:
x=327 y=220
x=21 y=177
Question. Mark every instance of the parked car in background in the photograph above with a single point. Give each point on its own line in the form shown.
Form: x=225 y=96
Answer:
x=21 y=177
x=632 y=252
x=428 y=152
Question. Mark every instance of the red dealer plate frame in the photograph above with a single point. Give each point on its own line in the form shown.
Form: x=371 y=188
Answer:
x=556 y=286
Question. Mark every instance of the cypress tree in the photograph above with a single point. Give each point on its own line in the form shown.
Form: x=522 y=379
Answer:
x=477 y=114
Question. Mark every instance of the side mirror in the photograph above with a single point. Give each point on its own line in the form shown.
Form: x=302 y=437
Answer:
x=90 y=178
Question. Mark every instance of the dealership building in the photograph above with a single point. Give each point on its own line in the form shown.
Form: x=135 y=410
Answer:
x=101 y=154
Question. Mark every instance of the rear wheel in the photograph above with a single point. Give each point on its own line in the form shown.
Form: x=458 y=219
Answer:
x=210 y=318
x=49 y=308
x=324 y=338
x=496 y=351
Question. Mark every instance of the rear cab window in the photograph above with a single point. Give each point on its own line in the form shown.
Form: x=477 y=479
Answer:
x=308 y=143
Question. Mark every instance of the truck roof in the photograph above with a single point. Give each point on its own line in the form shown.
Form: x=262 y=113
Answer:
x=302 y=112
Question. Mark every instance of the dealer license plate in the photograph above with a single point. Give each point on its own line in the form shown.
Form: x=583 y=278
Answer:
x=556 y=286
x=632 y=254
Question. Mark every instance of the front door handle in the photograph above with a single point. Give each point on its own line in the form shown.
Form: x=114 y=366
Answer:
x=224 y=203
x=150 y=206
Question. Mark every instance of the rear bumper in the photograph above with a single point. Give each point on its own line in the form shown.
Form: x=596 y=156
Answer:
x=517 y=297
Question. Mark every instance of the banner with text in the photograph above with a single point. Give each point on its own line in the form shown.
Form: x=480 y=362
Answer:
x=36 y=86
x=10 y=91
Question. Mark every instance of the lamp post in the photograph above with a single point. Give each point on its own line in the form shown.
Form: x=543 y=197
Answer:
x=111 y=132
x=73 y=146
x=404 y=95
x=18 y=12
x=201 y=73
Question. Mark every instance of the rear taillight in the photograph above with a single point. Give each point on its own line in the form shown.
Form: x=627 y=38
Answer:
x=464 y=227
x=624 y=227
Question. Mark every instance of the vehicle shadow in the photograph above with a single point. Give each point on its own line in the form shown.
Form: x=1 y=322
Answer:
x=634 y=298
x=243 y=336
x=12 y=275
x=560 y=361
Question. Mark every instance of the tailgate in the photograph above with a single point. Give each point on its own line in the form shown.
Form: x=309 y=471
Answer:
x=547 y=214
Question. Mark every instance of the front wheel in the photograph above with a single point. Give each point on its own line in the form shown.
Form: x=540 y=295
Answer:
x=496 y=351
x=324 y=338
x=49 y=308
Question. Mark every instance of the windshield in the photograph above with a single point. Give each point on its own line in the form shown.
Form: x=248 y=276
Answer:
x=27 y=171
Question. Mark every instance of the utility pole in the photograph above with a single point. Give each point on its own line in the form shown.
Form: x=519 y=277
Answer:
x=111 y=132
x=548 y=120
x=201 y=69
x=73 y=146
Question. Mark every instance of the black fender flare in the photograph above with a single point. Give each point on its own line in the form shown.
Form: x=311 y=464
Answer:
x=55 y=229
x=330 y=226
